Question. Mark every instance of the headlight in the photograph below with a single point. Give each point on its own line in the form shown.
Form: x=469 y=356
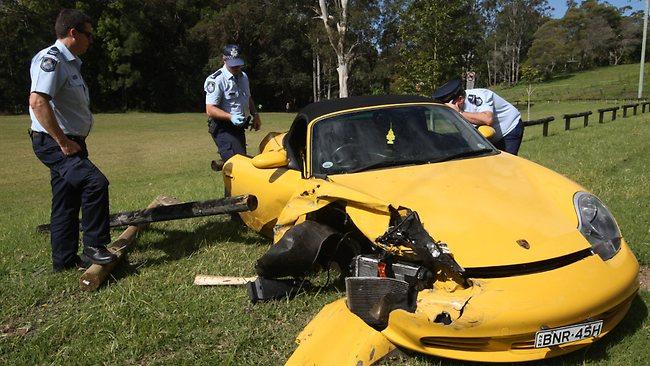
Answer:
x=597 y=225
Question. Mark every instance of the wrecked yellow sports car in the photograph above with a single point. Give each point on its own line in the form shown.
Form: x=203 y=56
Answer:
x=449 y=247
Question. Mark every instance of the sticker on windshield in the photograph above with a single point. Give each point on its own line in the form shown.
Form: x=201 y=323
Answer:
x=328 y=164
x=480 y=146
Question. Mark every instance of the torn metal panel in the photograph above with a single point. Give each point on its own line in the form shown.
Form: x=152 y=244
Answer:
x=371 y=215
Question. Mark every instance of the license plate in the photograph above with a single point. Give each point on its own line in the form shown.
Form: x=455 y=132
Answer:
x=572 y=333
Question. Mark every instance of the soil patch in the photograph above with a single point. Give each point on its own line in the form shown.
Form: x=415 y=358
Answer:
x=644 y=278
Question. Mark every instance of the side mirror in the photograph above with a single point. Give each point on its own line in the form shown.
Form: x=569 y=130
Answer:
x=487 y=131
x=271 y=159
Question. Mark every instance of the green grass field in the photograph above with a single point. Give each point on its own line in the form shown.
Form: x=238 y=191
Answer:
x=611 y=82
x=150 y=313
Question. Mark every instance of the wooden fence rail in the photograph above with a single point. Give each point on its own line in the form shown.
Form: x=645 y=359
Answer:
x=601 y=116
x=626 y=106
x=544 y=121
x=643 y=105
x=569 y=116
x=602 y=111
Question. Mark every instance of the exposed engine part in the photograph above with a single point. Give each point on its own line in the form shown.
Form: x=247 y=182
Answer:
x=373 y=298
x=264 y=289
x=407 y=230
x=416 y=276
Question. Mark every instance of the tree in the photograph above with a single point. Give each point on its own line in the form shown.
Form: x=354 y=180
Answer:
x=339 y=42
x=438 y=41
x=550 y=47
x=511 y=26
x=22 y=36
x=628 y=39
x=274 y=39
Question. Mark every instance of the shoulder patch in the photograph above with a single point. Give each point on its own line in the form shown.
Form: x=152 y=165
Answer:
x=48 y=64
x=210 y=87
x=53 y=51
x=217 y=73
x=476 y=100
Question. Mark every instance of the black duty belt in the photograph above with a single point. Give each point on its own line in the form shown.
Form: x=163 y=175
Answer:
x=74 y=138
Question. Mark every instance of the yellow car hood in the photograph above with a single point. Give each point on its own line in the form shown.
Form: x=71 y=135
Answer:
x=482 y=207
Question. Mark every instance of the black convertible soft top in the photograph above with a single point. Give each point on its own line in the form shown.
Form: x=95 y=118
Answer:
x=315 y=110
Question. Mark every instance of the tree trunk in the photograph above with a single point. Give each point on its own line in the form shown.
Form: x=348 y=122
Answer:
x=313 y=76
x=342 y=70
x=344 y=54
x=318 y=74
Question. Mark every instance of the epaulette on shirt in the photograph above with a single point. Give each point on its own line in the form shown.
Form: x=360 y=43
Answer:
x=217 y=73
x=53 y=51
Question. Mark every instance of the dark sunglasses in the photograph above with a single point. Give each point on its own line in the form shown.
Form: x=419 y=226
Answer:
x=87 y=34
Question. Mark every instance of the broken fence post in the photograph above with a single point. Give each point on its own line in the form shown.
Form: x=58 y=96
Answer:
x=179 y=211
x=96 y=274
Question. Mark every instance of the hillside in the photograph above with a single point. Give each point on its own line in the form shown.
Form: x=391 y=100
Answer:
x=611 y=82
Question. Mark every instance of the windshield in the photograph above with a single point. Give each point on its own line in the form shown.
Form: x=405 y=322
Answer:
x=393 y=137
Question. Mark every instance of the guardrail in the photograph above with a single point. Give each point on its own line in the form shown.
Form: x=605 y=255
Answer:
x=601 y=116
x=544 y=121
x=602 y=111
x=626 y=106
x=569 y=116
x=643 y=105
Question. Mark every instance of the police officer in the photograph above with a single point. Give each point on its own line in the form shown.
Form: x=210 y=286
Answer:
x=485 y=107
x=229 y=104
x=61 y=120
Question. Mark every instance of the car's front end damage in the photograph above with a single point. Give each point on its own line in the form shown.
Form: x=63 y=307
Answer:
x=490 y=258
x=405 y=289
x=491 y=319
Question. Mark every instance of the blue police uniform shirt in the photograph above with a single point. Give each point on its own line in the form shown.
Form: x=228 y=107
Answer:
x=228 y=92
x=506 y=116
x=55 y=71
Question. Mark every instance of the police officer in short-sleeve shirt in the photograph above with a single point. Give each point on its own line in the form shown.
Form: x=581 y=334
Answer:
x=229 y=104
x=60 y=121
x=485 y=107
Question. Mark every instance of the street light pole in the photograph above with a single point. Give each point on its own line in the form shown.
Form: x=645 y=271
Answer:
x=645 y=31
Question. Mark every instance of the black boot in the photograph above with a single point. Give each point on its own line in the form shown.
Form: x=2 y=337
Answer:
x=99 y=255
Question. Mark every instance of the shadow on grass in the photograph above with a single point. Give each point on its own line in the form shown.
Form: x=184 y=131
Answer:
x=593 y=353
x=178 y=244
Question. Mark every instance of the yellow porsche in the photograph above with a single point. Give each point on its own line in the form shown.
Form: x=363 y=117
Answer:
x=448 y=246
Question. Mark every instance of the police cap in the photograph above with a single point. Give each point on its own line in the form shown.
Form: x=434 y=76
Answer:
x=232 y=55
x=448 y=92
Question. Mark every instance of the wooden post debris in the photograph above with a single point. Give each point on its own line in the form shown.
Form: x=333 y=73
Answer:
x=206 y=280
x=96 y=274
x=180 y=211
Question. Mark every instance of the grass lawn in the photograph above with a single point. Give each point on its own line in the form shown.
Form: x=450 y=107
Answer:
x=611 y=82
x=150 y=313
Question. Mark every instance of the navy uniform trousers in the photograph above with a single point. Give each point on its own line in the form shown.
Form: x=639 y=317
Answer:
x=76 y=184
x=230 y=140
x=511 y=142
